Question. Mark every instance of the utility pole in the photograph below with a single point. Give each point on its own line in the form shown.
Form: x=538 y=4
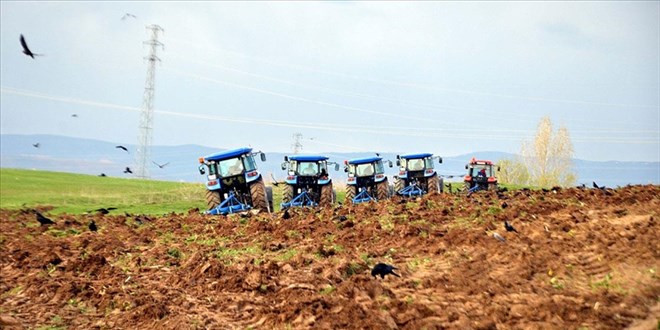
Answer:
x=296 y=145
x=147 y=115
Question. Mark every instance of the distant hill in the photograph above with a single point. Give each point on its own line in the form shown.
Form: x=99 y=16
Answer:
x=86 y=156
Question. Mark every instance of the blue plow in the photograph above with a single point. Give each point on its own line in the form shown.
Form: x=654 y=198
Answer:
x=301 y=200
x=411 y=190
x=230 y=205
x=363 y=196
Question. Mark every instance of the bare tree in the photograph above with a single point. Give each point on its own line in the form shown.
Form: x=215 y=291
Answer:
x=548 y=158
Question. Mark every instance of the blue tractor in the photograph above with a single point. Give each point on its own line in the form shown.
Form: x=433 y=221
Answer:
x=366 y=180
x=307 y=181
x=233 y=183
x=416 y=175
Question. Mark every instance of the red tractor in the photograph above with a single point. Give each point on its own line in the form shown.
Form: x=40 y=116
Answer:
x=480 y=175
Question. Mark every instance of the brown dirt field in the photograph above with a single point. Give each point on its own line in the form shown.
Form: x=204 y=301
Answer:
x=584 y=259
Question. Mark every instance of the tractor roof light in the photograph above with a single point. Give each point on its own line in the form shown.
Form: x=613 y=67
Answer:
x=201 y=160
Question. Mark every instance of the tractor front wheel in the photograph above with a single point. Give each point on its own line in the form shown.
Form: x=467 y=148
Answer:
x=382 y=190
x=326 y=195
x=213 y=199
x=351 y=191
x=258 y=195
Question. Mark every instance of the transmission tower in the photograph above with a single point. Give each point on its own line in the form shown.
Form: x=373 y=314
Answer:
x=147 y=116
x=296 y=145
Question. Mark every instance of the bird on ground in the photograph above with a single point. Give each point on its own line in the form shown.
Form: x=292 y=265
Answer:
x=102 y=175
x=499 y=237
x=159 y=165
x=92 y=226
x=509 y=227
x=122 y=148
x=43 y=220
x=128 y=170
x=593 y=183
x=27 y=50
x=504 y=205
x=286 y=214
x=342 y=218
x=105 y=210
x=127 y=15
x=36 y=145
x=383 y=269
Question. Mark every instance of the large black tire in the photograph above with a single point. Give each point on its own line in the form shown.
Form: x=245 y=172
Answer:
x=213 y=198
x=287 y=193
x=258 y=195
x=382 y=190
x=432 y=184
x=398 y=185
x=351 y=191
x=326 y=195
x=269 y=197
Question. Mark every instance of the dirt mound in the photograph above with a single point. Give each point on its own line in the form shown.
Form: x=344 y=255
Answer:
x=581 y=258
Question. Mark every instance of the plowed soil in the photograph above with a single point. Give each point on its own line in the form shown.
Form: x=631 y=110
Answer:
x=582 y=258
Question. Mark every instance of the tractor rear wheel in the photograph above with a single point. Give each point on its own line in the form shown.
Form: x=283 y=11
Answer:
x=258 y=195
x=351 y=191
x=382 y=190
x=287 y=193
x=398 y=185
x=432 y=184
x=326 y=195
x=213 y=198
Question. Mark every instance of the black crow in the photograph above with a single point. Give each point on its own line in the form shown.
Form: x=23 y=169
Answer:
x=92 y=226
x=102 y=175
x=286 y=214
x=159 y=165
x=342 y=218
x=504 y=205
x=383 y=269
x=74 y=115
x=43 y=220
x=27 y=50
x=593 y=183
x=105 y=210
x=122 y=148
x=509 y=227
x=36 y=145
x=128 y=170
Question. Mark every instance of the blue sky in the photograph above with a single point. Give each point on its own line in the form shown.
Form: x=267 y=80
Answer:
x=442 y=77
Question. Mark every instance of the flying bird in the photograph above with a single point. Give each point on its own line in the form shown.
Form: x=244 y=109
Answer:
x=27 y=50
x=92 y=226
x=383 y=269
x=159 y=165
x=509 y=227
x=128 y=170
x=43 y=220
x=36 y=145
x=74 y=115
x=127 y=15
x=122 y=148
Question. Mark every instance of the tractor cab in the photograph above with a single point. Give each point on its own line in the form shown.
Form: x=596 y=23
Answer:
x=480 y=175
x=416 y=175
x=308 y=182
x=366 y=179
x=233 y=177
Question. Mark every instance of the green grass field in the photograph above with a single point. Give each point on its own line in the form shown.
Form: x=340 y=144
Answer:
x=77 y=193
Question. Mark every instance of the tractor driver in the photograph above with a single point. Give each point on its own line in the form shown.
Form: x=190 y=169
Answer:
x=236 y=168
x=482 y=173
x=309 y=169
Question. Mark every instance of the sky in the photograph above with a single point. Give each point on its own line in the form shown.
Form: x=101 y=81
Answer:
x=443 y=77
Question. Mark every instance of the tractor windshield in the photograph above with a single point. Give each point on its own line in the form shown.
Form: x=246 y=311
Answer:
x=481 y=170
x=308 y=168
x=230 y=167
x=415 y=164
